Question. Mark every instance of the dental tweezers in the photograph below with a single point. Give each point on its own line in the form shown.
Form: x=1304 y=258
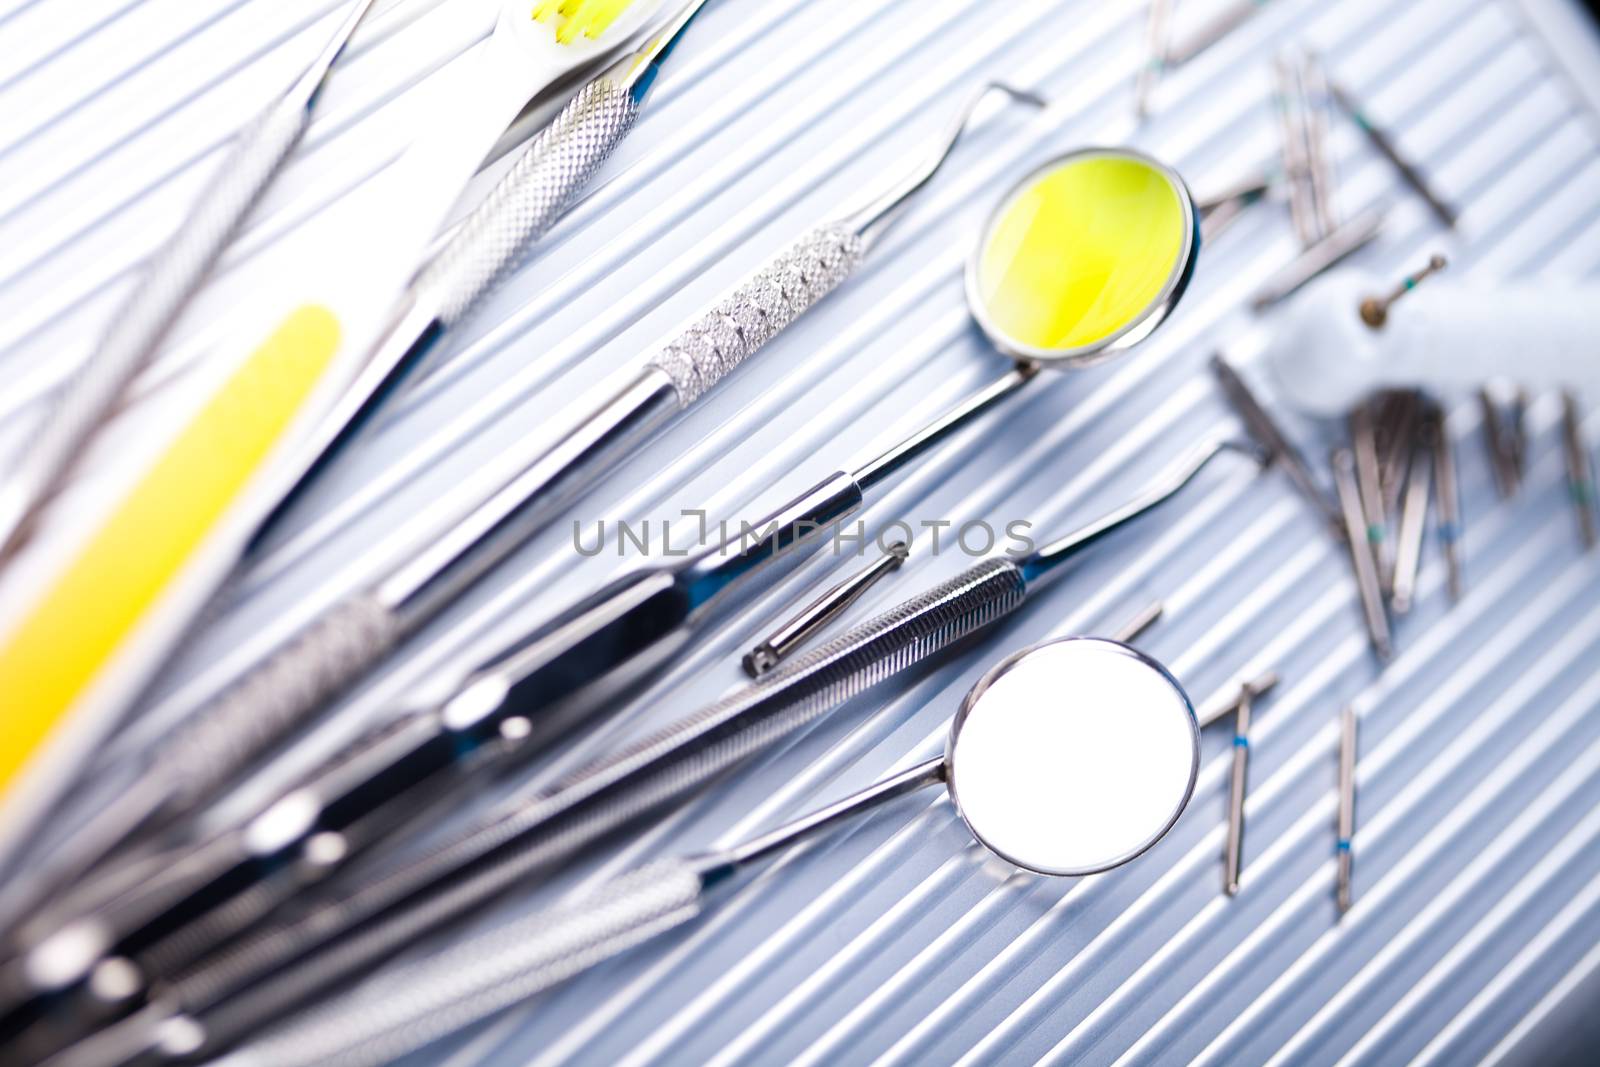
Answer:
x=235 y=991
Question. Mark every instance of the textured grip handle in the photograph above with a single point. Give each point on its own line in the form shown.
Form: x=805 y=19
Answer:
x=434 y=997
x=277 y=695
x=754 y=313
x=529 y=199
x=695 y=749
x=578 y=810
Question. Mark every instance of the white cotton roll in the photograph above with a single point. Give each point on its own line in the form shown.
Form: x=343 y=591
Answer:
x=1445 y=337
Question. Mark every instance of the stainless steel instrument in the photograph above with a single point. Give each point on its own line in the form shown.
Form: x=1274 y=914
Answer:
x=1036 y=742
x=446 y=550
x=574 y=664
x=240 y=988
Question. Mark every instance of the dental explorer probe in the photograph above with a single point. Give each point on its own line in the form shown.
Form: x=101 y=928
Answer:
x=1066 y=759
x=526 y=486
x=171 y=277
x=255 y=980
x=640 y=619
x=527 y=694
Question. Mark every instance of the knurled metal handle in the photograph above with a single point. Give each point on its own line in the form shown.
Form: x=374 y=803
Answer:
x=420 y=894
x=420 y=1003
x=278 y=695
x=535 y=192
x=713 y=345
x=695 y=749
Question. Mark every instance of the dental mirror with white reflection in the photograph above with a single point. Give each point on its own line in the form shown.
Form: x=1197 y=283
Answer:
x=1068 y=758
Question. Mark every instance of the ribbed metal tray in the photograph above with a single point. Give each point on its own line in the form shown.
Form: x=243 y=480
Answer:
x=1477 y=917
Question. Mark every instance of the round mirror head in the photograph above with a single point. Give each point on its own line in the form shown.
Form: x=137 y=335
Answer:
x=1073 y=756
x=1084 y=258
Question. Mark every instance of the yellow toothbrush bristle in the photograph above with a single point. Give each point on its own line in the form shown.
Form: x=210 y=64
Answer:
x=572 y=18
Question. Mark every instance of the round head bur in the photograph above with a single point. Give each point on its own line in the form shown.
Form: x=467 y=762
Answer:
x=1073 y=756
x=1084 y=258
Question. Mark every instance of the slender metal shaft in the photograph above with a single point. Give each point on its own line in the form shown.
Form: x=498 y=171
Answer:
x=1448 y=492
x=1234 y=849
x=1221 y=210
x=1502 y=452
x=808 y=825
x=1347 y=803
x=1389 y=150
x=472 y=980
x=1258 y=686
x=435 y=558
x=528 y=693
x=1580 y=470
x=1413 y=520
x=1215 y=29
x=957 y=418
x=1134 y=628
x=1264 y=430
x=1296 y=154
x=1366 y=569
x=169 y=280
x=242 y=986
x=1397 y=440
x=1517 y=433
x=1157 y=30
x=1375 y=310
x=777 y=646
x=1319 y=161
x=1351 y=236
x=1369 y=481
x=1041 y=562
x=871 y=220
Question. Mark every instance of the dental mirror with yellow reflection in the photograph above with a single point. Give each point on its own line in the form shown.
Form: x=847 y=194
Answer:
x=1084 y=257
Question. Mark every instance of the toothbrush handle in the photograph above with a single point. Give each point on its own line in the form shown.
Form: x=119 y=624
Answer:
x=535 y=192
x=434 y=997
x=711 y=346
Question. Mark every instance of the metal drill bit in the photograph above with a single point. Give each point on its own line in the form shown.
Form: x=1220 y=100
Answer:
x=1413 y=519
x=1397 y=444
x=1351 y=236
x=1375 y=310
x=1517 y=433
x=1319 y=162
x=1266 y=433
x=1136 y=626
x=1258 y=686
x=1157 y=31
x=1347 y=802
x=1221 y=211
x=1291 y=109
x=1580 y=470
x=1448 y=493
x=1221 y=24
x=1241 y=765
x=1497 y=439
x=1366 y=570
x=1364 y=447
x=1389 y=150
x=821 y=611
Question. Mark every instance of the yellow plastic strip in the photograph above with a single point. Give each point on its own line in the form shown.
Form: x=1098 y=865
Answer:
x=78 y=625
x=588 y=18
